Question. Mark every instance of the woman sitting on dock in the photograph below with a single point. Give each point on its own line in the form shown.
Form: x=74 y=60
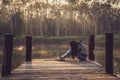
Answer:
x=77 y=50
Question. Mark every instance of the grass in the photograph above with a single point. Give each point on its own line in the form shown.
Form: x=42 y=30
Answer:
x=100 y=51
x=18 y=58
x=56 y=40
x=100 y=57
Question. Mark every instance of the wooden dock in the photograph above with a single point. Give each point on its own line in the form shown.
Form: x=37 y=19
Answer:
x=49 y=69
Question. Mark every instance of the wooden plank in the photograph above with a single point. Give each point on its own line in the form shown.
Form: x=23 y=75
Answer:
x=42 y=69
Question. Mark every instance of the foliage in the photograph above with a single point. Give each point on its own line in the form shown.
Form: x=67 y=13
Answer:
x=17 y=23
x=57 y=18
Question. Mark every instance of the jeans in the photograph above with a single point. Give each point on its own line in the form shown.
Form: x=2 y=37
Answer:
x=81 y=55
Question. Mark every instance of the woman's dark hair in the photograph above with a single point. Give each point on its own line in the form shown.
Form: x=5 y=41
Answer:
x=74 y=48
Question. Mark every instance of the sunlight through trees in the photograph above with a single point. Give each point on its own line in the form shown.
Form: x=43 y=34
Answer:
x=59 y=17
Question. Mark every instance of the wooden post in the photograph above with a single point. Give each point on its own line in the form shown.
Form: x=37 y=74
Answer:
x=7 y=56
x=28 y=48
x=109 y=53
x=91 y=47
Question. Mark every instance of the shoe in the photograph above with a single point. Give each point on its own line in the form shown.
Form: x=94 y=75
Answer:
x=60 y=59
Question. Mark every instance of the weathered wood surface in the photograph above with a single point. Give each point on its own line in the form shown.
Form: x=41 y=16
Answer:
x=48 y=69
